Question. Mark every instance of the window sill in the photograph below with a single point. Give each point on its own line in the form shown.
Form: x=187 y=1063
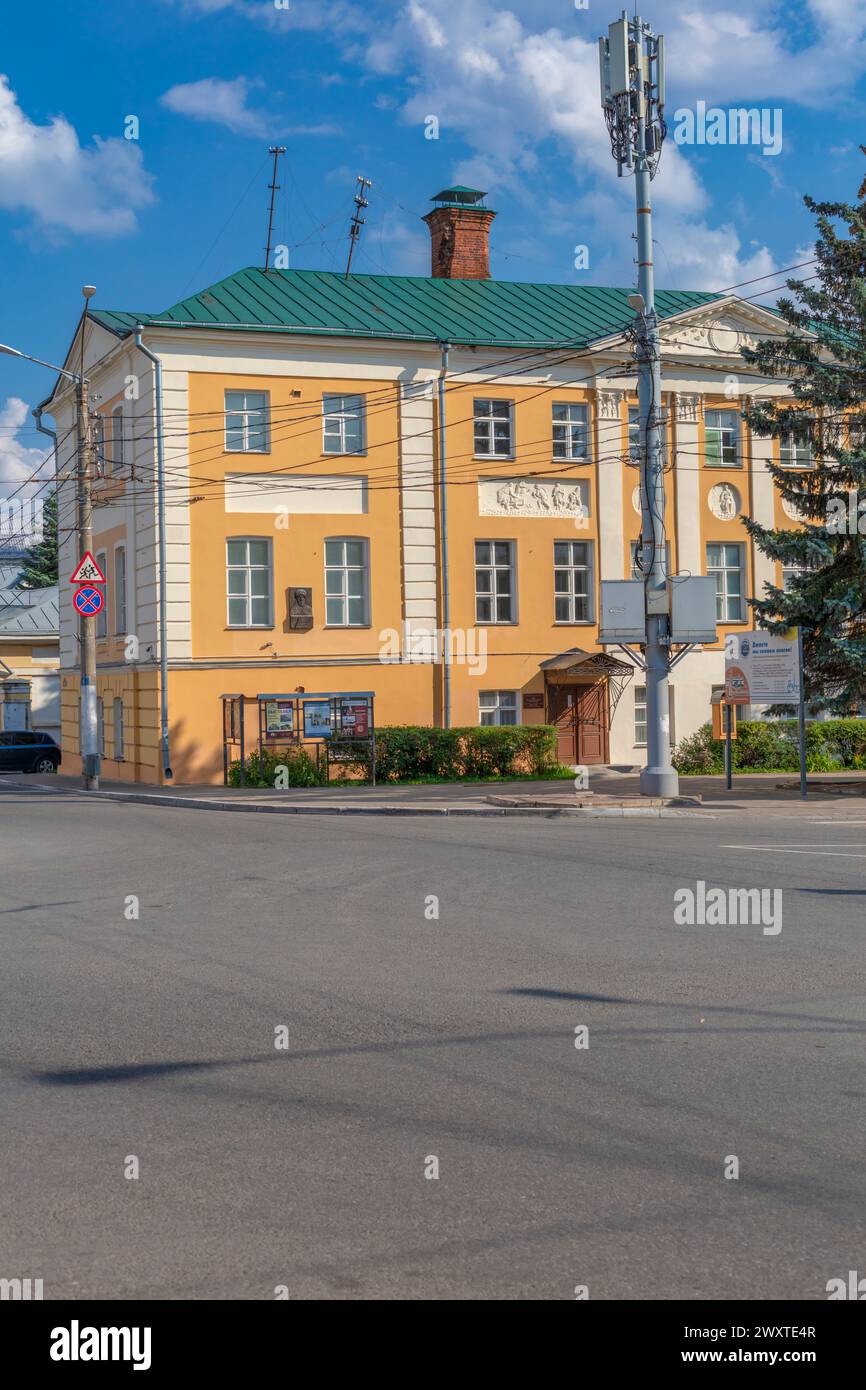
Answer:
x=720 y=466
x=511 y=622
x=495 y=458
x=341 y=454
x=578 y=622
x=250 y=627
x=348 y=627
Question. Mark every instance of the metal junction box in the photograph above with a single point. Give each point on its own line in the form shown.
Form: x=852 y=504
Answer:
x=693 y=609
x=622 y=612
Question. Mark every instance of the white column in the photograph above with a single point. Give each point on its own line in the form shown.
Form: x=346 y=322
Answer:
x=688 y=485
x=763 y=509
x=417 y=504
x=609 y=472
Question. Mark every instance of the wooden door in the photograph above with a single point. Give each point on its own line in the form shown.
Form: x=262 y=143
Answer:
x=562 y=707
x=591 y=722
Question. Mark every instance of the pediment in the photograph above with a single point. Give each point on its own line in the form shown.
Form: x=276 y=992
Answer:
x=721 y=329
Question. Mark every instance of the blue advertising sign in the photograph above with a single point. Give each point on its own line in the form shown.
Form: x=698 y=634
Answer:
x=317 y=719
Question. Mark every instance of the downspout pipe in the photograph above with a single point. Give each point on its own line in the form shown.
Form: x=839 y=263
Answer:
x=443 y=523
x=160 y=522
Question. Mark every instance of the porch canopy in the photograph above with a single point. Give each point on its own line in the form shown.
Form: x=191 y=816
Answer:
x=592 y=666
x=584 y=663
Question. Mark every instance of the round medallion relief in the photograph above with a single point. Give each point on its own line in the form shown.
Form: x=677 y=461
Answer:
x=724 y=501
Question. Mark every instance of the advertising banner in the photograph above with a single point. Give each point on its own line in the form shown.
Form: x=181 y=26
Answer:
x=762 y=668
x=317 y=719
x=279 y=717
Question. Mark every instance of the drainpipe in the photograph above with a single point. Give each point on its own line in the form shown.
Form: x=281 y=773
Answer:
x=443 y=515
x=160 y=514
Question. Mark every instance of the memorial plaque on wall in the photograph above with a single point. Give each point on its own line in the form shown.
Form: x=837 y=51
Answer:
x=533 y=702
x=300 y=604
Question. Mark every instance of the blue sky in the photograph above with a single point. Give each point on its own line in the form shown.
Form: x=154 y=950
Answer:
x=347 y=87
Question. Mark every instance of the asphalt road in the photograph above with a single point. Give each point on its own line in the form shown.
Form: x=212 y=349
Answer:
x=413 y=1038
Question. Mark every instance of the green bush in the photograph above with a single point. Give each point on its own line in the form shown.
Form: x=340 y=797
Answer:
x=831 y=746
x=262 y=769
x=411 y=753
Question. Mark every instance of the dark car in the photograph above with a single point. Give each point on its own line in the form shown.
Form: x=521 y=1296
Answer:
x=28 y=752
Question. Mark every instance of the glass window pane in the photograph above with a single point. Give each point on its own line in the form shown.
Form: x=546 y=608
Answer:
x=333 y=581
x=560 y=552
x=562 y=610
x=237 y=610
x=356 y=610
x=237 y=552
x=503 y=610
x=237 y=581
x=334 y=610
x=482 y=552
x=354 y=552
x=260 y=610
x=502 y=553
x=560 y=581
x=333 y=552
x=503 y=581
x=259 y=583
x=258 y=552
x=483 y=580
x=483 y=610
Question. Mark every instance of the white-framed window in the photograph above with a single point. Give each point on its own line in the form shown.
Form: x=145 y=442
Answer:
x=722 y=438
x=726 y=563
x=640 y=715
x=118 y=442
x=636 y=571
x=572 y=581
x=498 y=706
x=570 y=431
x=120 y=589
x=791 y=572
x=100 y=725
x=101 y=455
x=795 y=453
x=347 y=581
x=343 y=425
x=118 y=727
x=249 y=576
x=495 y=586
x=247 y=422
x=492 y=429
x=633 y=434
x=102 y=615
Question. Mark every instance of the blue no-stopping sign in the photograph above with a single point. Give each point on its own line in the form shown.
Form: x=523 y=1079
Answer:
x=88 y=601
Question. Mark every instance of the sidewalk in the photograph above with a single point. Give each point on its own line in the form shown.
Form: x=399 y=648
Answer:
x=611 y=794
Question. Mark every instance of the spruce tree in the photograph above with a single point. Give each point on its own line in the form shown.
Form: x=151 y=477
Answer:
x=41 y=561
x=820 y=351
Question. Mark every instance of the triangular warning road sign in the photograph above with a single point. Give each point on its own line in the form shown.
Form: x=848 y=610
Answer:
x=88 y=571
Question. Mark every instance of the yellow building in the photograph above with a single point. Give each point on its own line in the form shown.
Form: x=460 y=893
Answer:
x=405 y=485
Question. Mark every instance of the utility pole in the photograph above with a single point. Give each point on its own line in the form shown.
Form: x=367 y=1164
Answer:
x=89 y=723
x=357 y=220
x=633 y=98
x=276 y=151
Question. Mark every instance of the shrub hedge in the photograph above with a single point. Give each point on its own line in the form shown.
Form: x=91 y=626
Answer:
x=831 y=745
x=410 y=752
x=263 y=768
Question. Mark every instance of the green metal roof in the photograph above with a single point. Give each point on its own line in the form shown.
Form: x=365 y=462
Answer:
x=407 y=307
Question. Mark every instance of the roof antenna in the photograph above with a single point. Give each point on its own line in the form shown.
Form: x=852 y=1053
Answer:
x=276 y=151
x=357 y=220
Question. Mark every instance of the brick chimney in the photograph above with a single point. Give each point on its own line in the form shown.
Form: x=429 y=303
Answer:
x=459 y=232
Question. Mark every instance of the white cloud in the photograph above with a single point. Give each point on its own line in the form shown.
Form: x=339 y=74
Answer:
x=226 y=103
x=46 y=172
x=213 y=99
x=18 y=461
